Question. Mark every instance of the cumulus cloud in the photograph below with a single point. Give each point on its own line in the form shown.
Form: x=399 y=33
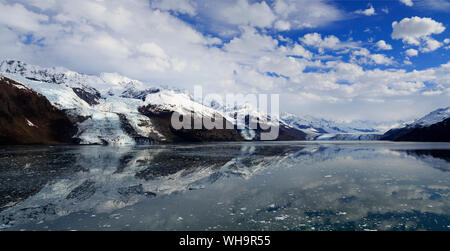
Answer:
x=358 y=54
x=330 y=42
x=407 y=2
x=315 y=39
x=368 y=12
x=382 y=45
x=430 y=45
x=417 y=31
x=305 y=13
x=412 y=52
x=412 y=30
x=244 y=13
x=363 y=56
x=282 y=25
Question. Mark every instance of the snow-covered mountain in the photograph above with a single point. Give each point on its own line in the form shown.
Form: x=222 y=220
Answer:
x=324 y=129
x=431 y=118
x=434 y=126
x=112 y=109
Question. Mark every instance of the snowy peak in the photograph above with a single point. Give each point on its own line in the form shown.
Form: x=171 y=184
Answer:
x=111 y=84
x=434 y=117
x=317 y=126
x=32 y=72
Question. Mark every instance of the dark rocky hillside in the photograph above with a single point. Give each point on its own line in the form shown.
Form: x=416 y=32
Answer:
x=27 y=117
x=439 y=132
x=162 y=120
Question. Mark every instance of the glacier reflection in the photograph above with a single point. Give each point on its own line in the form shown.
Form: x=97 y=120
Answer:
x=227 y=186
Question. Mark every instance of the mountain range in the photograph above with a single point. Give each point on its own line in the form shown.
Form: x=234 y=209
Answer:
x=58 y=106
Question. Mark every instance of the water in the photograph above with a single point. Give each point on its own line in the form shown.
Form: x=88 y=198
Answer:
x=227 y=186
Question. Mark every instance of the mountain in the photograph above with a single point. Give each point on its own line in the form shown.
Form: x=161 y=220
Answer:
x=28 y=118
x=434 y=127
x=323 y=129
x=112 y=109
x=434 y=117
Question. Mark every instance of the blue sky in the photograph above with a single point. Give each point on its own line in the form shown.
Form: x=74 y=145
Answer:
x=379 y=60
x=380 y=26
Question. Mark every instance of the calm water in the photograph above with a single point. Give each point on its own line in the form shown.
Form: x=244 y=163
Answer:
x=232 y=186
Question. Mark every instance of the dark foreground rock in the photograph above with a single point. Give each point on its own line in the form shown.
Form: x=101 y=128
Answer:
x=27 y=117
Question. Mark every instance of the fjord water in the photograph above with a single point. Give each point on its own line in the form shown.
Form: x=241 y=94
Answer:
x=227 y=186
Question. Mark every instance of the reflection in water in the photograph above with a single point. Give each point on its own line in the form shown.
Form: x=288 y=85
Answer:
x=234 y=186
x=437 y=158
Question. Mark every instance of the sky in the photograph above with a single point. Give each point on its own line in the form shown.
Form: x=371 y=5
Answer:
x=375 y=60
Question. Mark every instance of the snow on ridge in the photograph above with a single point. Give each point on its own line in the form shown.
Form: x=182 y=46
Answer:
x=434 y=117
x=105 y=83
x=179 y=102
x=317 y=126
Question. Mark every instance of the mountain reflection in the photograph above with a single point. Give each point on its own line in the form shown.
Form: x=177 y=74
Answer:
x=41 y=185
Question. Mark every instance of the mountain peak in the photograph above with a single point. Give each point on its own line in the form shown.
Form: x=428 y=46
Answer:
x=433 y=117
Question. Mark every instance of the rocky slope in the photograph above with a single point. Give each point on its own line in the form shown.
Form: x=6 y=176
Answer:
x=27 y=117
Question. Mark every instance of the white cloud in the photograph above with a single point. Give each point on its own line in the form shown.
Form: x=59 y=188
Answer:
x=330 y=42
x=413 y=30
x=181 y=6
x=152 y=49
x=407 y=2
x=315 y=39
x=243 y=13
x=430 y=45
x=305 y=13
x=368 y=12
x=412 y=52
x=437 y=5
x=363 y=56
x=17 y=16
x=282 y=25
x=299 y=50
x=381 y=59
x=382 y=45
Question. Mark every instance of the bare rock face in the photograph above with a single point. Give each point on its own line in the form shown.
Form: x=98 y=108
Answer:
x=27 y=117
x=90 y=98
x=162 y=119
